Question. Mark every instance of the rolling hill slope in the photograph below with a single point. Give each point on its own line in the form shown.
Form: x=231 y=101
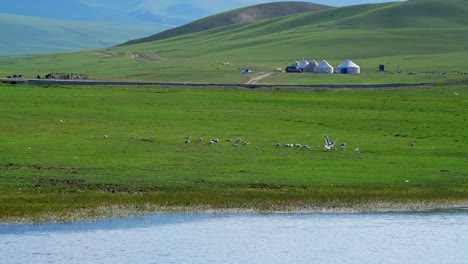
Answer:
x=421 y=36
x=29 y=35
x=234 y=17
x=362 y=31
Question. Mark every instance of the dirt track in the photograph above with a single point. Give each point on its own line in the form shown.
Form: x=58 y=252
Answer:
x=44 y=82
x=258 y=78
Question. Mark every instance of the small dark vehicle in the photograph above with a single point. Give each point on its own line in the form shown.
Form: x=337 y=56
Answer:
x=293 y=69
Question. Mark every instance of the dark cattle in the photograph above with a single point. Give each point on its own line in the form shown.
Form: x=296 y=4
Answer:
x=65 y=76
x=38 y=77
x=8 y=77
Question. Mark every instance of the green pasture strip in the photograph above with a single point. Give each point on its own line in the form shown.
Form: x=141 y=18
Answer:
x=415 y=69
x=218 y=56
x=54 y=158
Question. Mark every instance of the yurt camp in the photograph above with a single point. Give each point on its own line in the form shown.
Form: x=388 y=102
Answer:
x=324 y=67
x=348 y=67
x=310 y=68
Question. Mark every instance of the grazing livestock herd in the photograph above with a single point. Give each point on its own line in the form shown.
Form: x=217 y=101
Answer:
x=59 y=76
x=65 y=76
x=15 y=76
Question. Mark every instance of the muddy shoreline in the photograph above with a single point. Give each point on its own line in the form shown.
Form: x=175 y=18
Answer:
x=136 y=210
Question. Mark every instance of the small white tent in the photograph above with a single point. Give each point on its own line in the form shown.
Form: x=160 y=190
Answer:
x=348 y=67
x=311 y=66
x=324 y=67
x=303 y=64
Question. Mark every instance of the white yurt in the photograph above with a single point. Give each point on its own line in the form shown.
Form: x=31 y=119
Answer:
x=310 y=68
x=303 y=64
x=348 y=67
x=324 y=67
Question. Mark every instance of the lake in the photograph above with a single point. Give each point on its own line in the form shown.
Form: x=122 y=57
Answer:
x=420 y=237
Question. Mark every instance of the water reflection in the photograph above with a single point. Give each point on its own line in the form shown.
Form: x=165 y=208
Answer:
x=432 y=237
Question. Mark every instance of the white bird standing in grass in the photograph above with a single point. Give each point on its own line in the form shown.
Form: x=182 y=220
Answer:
x=246 y=143
x=200 y=139
x=106 y=136
x=357 y=150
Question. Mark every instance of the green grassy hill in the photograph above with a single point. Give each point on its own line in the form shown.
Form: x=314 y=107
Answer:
x=238 y=16
x=30 y=35
x=426 y=39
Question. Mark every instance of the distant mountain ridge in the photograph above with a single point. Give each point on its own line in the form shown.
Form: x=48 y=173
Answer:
x=237 y=16
x=22 y=35
x=109 y=11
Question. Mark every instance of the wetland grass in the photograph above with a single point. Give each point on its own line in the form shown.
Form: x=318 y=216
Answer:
x=56 y=165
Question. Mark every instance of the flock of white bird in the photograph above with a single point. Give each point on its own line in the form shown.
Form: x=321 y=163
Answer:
x=329 y=144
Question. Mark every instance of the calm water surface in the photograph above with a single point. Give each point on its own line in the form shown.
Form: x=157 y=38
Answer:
x=245 y=238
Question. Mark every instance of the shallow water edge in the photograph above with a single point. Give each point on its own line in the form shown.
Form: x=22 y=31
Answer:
x=125 y=211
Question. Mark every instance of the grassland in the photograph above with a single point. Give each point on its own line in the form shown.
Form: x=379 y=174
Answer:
x=56 y=165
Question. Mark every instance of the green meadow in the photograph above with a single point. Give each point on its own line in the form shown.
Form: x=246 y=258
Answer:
x=56 y=164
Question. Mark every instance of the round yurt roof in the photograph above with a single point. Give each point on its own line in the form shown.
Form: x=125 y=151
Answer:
x=348 y=64
x=313 y=62
x=303 y=64
x=324 y=67
x=311 y=66
x=324 y=64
